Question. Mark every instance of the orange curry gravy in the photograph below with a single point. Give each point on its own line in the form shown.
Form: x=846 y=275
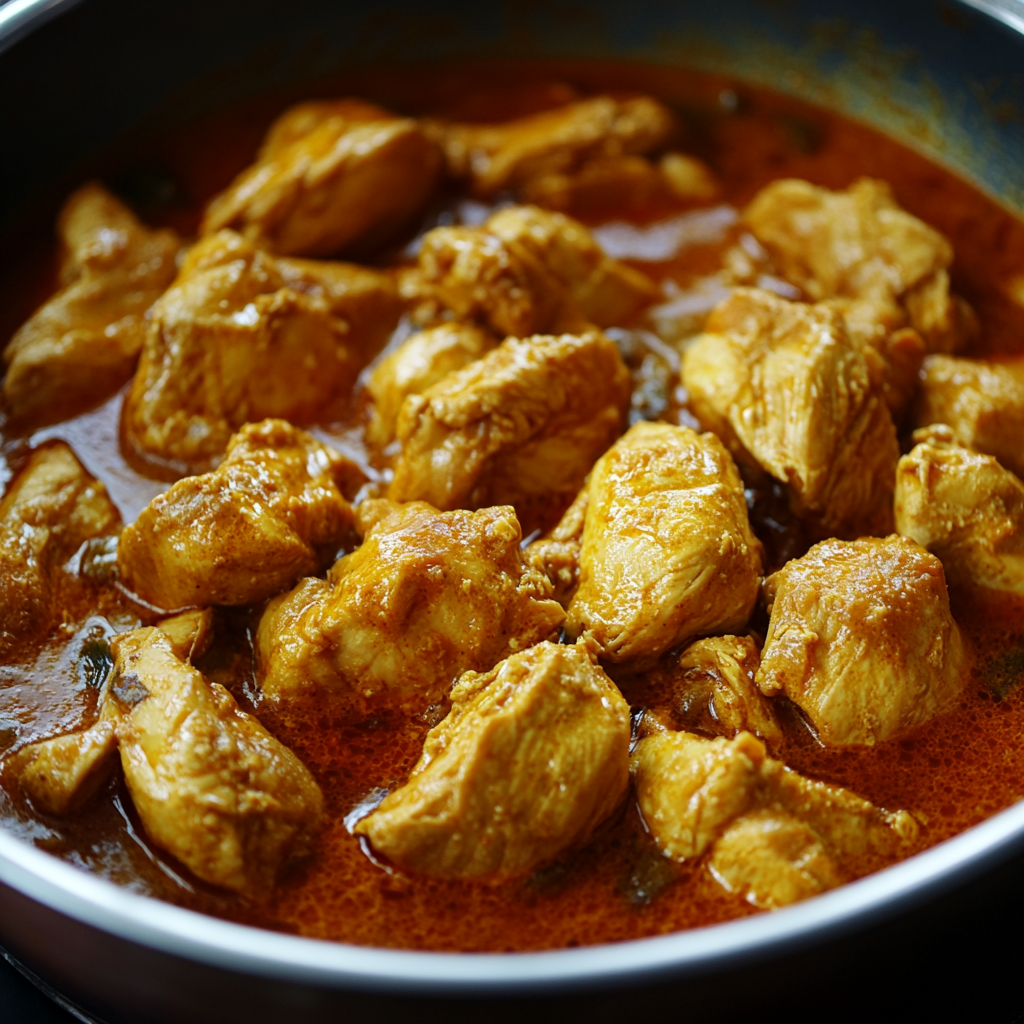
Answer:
x=952 y=773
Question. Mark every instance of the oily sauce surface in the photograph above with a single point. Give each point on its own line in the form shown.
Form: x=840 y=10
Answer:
x=952 y=773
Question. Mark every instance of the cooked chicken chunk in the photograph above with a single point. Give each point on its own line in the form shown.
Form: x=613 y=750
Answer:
x=715 y=691
x=967 y=510
x=623 y=181
x=786 y=389
x=667 y=551
x=862 y=640
x=59 y=775
x=525 y=423
x=533 y=756
x=211 y=785
x=420 y=361
x=331 y=176
x=526 y=271
x=82 y=344
x=524 y=153
x=983 y=402
x=269 y=514
x=51 y=508
x=771 y=834
x=557 y=553
x=860 y=245
x=427 y=596
x=241 y=336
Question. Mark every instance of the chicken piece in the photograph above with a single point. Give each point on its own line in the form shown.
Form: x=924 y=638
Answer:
x=210 y=784
x=623 y=181
x=862 y=640
x=422 y=360
x=271 y=513
x=557 y=553
x=667 y=551
x=519 y=153
x=769 y=833
x=859 y=244
x=716 y=692
x=527 y=271
x=52 y=507
x=427 y=596
x=81 y=345
x=607 y=293
x=967 y=510
x=533 y=756
x=983 y=403
x=241 y=336
x=522 y=425
x=786 y=389
x=331 y=176
x=60 y=775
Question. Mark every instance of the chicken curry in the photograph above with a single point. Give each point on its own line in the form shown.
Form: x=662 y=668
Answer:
x=512 y=508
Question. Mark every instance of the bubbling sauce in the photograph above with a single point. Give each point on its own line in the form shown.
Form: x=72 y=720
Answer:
x=951 y=773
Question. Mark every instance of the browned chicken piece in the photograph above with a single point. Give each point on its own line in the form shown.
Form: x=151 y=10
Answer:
x=861 y=245
x=770 y=834
x=533 y=756
x=271 y=513
x=331 y=176
x=983 y=402
x=52 y=507
x=422 y=360
x=527 y=271
x=623 y=181
x=241 y=336
x=557 y=553
x=427 y=596
x=667 y=552
x=715 y=689
x=524 y=424
x=786 y=389
x=60 y=775
x=605 y=291
x=210 y=784
x=522 y=153
x=861 y=639
x=81 y=345
x=966 y=509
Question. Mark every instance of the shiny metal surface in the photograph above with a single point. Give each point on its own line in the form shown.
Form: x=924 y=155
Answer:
x=107 y=945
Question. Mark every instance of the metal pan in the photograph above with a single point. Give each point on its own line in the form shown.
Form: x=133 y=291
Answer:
x=75 y=77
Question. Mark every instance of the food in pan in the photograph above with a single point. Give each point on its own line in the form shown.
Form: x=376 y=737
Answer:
x=509 y=513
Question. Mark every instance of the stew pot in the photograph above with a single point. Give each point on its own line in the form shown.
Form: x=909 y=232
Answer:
x=77 y=76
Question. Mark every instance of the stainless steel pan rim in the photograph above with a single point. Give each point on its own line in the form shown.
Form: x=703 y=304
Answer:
x=192 y=936
x=208 y=940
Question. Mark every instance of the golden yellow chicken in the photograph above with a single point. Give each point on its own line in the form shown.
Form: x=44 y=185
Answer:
x=533 y=756
x=241 y=336
x=427 y=596
x=334 y=176
x=965 y=508
x=270 y=513
x=82 y=344
x=862 y=640
x=770 y=835
x=51 y=508
x=667 y=552
x=787 y=390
